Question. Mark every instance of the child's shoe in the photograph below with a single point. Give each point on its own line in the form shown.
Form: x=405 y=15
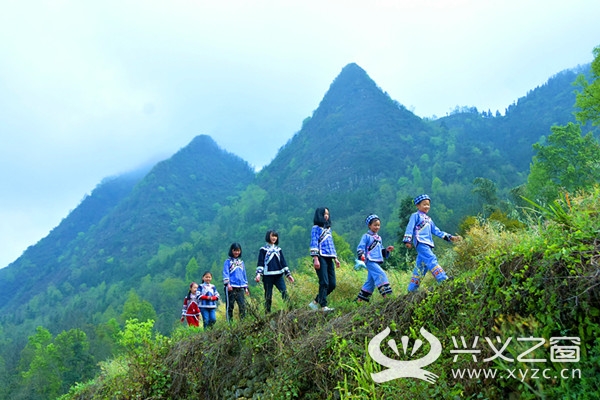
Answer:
x=327 y=309
x=313 y=305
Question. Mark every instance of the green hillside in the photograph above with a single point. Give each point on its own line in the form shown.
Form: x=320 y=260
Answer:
x=132 y=247
x=525 y=295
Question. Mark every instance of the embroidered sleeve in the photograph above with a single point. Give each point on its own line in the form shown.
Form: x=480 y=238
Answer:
x=226 y=271
x=314 y=241
x=283 y=263
x=408 y=233
x=184 y=309
x=362 y=246
x=260 y=266
x=439 y=233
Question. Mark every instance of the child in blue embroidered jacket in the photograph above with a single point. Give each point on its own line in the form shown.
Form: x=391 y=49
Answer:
x=324 y=256
x=371 y=251
x=419 y=233
x=235 y=281
x=272 y=267
x=208 y=297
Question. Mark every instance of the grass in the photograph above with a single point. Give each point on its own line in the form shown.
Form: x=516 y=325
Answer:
x=540 y=282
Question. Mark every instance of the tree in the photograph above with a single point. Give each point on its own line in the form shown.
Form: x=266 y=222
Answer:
x=77 y=364
x=103 y=339
x=43 y=378
x=567 y=162
x=135 y=307
x=436 y=186
x=343 y=250
x=50 y=367
x=41 y=339
x=407 y=207
x=403 y=258
x=39 y=367
x=486 y=190
x=417 y=177
x=588 y=99
x=192 y=270
x=4 y=380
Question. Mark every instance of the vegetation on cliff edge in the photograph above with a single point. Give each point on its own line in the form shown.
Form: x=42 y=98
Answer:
x=537 y=282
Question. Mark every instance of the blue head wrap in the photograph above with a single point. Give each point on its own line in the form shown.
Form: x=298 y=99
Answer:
x=371 y=218
x=420 y=198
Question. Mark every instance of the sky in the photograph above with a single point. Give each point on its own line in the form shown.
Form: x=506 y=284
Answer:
x=94 y=89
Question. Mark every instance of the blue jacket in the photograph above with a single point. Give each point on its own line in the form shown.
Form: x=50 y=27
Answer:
x=420 y=229
x=371 y=247
x=271 y=261
x=234 y=273
x=207 y=290
x=321 y=242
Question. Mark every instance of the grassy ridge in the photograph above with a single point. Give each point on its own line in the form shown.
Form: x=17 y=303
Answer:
x=539 y=282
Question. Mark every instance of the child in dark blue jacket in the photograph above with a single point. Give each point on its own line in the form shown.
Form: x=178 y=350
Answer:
x=272 y=267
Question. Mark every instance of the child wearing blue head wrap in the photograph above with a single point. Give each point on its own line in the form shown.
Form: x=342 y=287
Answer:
x=419 y=233
x=371 y=251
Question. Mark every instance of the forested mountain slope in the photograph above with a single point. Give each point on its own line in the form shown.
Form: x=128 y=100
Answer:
x=116 y=230
x=525 y=122
x=134 y=238
x=525 y=304
x=44 y=255
x=357 y=135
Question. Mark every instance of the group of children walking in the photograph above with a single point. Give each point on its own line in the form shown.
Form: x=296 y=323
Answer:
x=272 y=267
x=201 y=300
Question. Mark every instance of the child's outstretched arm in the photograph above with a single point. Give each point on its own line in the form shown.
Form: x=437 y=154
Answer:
x=410 y=228
x=444 y=235
x=451 y=238
x=386 y=252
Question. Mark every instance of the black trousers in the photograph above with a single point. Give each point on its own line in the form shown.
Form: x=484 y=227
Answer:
x=268 y=282
x=237 y=295
x=327 y=281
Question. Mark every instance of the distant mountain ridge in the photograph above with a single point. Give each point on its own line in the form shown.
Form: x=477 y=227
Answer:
x=107 y=230
x=525 y=121
x=354 y=119
x=360 y=152
x=201 y=170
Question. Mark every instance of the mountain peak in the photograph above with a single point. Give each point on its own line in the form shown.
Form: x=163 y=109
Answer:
x=354 y=116
x=353 y=68
x=203 y=140
x=351 y=84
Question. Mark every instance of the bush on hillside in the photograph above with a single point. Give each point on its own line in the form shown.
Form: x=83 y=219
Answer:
x=541 y=282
